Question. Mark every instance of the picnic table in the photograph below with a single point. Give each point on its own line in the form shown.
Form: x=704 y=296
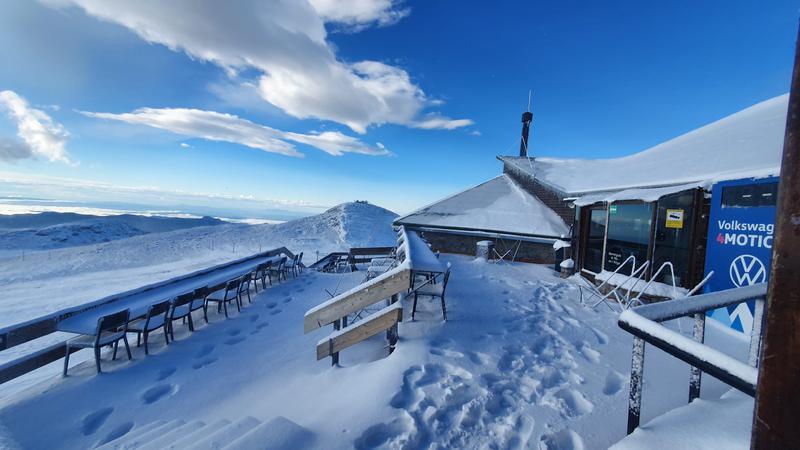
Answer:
x=86 y=321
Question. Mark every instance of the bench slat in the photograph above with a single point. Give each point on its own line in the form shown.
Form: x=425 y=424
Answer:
x=372 y=325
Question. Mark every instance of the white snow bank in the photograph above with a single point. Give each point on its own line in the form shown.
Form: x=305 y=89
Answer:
x=567 y=264
x=748 y=143
x=498 y=205
x=703 y=424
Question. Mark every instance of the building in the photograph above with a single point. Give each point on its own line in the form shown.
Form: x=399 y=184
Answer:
x=650 y=207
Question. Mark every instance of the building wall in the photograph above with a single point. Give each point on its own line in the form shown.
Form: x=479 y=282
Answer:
x=541 y=253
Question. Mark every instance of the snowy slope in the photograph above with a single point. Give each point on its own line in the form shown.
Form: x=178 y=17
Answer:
x=746 y=144
x=51 y=230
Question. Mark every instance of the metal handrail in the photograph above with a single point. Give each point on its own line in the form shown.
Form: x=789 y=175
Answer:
x=644 y=322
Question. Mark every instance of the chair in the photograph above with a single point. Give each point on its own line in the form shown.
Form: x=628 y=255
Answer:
x=433 y=291
x=277 y=270
x=155 y=318
x=291 y=266
x=110 y=330
x=181 y=309
x=261 y=274
x=299 y=267
x=222 y=295
x=244 y=287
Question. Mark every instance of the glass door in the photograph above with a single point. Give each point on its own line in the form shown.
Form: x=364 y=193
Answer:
x=593 y=255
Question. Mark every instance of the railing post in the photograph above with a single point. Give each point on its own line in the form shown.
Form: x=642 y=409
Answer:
x=756 y=333
x=392 y=333
x=334 y=356
x=635 y=394
x=699 y=332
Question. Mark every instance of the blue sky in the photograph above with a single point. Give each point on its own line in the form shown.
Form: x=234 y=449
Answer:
x=418 y=97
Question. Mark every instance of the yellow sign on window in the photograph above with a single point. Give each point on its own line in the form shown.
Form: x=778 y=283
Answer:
x=674 y=218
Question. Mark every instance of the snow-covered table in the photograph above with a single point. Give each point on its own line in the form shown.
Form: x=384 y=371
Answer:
x=423 y=260
x=86 y=322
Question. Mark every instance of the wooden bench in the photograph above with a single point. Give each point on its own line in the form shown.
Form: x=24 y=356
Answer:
x=383 y=320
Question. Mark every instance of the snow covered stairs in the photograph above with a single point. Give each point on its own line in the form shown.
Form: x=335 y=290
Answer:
x=246 y=433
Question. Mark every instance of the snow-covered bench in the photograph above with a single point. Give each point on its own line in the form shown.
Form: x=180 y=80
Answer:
x=413 y=255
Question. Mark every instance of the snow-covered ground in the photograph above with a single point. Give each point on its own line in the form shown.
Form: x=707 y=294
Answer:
x=520 y=363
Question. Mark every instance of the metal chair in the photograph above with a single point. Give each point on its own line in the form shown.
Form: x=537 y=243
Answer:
x=261 y=274
x=278 y=270
x=292 y=266
x=155 y=318
x=433 y=291
x=181 y=309
x=244 y=287
x=222 y=295
x=110 y=330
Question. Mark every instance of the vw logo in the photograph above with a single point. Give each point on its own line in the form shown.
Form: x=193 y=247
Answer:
x=746 y=270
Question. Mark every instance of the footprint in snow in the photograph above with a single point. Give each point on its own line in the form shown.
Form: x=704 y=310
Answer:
x=287 y=300
x=254 y=317
x=614 y=383
x=118 y=431
x=203 y=363
x=93 y=421
x=234 y=332
x=205 y=351
x=271 y=305
x=158 y=392
x=565 y=439
x=163 y=374
x=259 y=327
x=275 y=311
x=234 y=340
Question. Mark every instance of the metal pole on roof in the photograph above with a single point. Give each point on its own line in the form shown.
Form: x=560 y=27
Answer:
x=775 y=423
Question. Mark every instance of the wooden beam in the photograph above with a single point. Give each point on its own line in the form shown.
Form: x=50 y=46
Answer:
x=372 y=325
x=396 y=281
x=775 y=422
x=28 y=363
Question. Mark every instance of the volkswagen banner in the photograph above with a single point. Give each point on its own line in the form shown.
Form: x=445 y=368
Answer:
x=739 y=247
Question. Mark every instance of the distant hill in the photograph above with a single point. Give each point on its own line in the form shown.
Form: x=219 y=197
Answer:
x=172 y=252
x=51 y=230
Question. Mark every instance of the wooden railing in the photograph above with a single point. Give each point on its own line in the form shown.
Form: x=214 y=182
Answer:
x=335 y=311
x=21 y=333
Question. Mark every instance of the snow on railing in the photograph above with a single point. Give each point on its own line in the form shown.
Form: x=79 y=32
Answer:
x=644 y=322
x=21 y=333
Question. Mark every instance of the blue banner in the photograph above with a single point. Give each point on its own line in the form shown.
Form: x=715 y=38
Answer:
x=739 y=247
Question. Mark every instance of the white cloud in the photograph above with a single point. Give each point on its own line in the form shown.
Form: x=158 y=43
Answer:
x=359 y=14
x=285 y=42
x=40 y=135
x=185 y=145
x=215 y=126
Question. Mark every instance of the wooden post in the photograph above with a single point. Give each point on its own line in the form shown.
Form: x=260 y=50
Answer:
x=334 y=355
x=392 y=333
x=635 y=394
x=775 y=422
x=696 y=376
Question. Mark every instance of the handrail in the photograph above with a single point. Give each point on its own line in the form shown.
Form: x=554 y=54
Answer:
x=644 y=322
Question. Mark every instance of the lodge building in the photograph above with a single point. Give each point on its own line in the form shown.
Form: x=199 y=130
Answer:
x=664 y=204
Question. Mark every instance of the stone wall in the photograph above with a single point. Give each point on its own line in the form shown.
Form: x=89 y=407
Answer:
x=458 y=243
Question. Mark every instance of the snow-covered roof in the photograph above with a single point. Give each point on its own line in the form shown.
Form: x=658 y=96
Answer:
x=746 y=144
x=498 y=205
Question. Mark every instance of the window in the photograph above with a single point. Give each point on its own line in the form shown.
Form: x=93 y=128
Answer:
x=750 y=195
x=628 y=233
x=673 y=237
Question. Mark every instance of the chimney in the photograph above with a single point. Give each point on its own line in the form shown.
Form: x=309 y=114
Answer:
x=527 y=118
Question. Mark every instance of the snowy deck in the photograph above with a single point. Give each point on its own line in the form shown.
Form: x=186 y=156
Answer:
x=518 y=363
